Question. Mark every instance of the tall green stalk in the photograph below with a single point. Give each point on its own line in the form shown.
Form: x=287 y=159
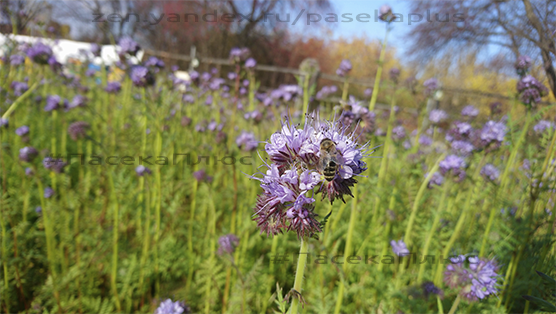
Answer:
x=379 y=71
x=300 y=271
x=114 y=273
x=347 y=250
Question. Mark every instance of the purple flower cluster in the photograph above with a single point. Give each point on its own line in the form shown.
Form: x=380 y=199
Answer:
x=286 y=202
x=141 y=76
x=522 y=65
x=436 y=116
x=54 y=102
x=22 y=130
x=239 y=54
x=77 y=130
x=227 y=244
x=48 y=192
x=530 y=90
x=17 y=60
x=357 y=119
x=27 y=154
x=286 y=92
x=39 y=53
x=250 y=63
x=490 y=172
x=385 y=13
x=247 y=141
x=470 y=111
x=436 y=179
x=19 y=88
x=476 y=281
x=154 y=62
x=544 y=125
x=398 y=133
x=128 y=46
x=462 y=148
x=399 y=248
x=325 y=91
x=429 y=288
x=170 y=307
x=202 y=176
x=113 y=87
x=431 y=85
x=57 y=165
x=492 y=134
x=455 y=165
x=394 y=74
x=344 y=68
x=142 y=170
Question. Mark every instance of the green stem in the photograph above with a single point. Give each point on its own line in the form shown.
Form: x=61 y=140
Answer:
x=432 y=231
x=301 y=262
x=379 y=72
x=5 y=262
x=19 y=100
x=455 y=305
x=407 y=236
x=114 y=273
x=347 y=250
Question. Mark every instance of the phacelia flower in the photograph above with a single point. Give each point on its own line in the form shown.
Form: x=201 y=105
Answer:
x=344 y=68
x=154 y=62
x=492 y=133
x=39 y=53
x=54 y=102
x=436 y=179
x=490 y=172
x=394 y=74
x=141 y=76
x=77 y=101
x=250 y=63
x=77 y=130
x=247 y=141
x=17 y=60
x=28 y=153
x=128 y=46
x=429 y=288
x=470 y=111
x=476 y=281
x=455 y=165
x=95 y=50
x=543 y=125
x=462 y=148
x=239 y=54
x=227 y=244
x=202 y=176
x=295 y=170
x=424 y=140
x=399 y=248
x=22 y=130
x=57 y=165
x=19 y=88
x=522 y=65
x=431 y=85
x=48 y=192
x=436 y=116
x=398 y=133
x=357 y=119
x=28 y=171
x=385 y=13
x=4 y=122
x=368 y=92
x=113 y=87
x=142 y=170
x=170 y=307
x=531 y=90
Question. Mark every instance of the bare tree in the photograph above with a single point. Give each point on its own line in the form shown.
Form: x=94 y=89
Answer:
x=520 y=27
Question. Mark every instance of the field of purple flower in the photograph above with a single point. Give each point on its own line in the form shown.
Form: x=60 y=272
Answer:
x=146 y=192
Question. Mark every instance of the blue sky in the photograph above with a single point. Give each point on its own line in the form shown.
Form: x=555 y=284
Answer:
x=372 y=29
